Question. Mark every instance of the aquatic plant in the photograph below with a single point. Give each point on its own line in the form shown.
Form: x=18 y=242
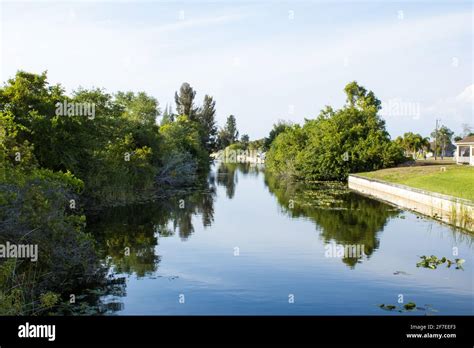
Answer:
x=407 y=307
x=432 y=262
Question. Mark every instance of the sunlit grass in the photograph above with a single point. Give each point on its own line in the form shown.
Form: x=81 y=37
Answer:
x=454 y=180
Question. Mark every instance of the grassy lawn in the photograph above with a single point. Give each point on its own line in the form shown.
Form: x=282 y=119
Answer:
x=457 y=181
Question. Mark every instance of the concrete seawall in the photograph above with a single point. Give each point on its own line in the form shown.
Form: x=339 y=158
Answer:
x=454 y=211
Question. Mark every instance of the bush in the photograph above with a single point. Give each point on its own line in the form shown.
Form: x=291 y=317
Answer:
x=36 y=209
x=336 y=143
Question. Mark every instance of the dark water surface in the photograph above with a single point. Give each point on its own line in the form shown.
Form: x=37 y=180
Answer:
x=248 y=244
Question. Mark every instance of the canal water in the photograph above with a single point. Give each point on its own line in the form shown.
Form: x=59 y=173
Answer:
x=250 y=244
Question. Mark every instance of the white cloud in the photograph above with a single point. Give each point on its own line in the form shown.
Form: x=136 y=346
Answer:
x=466 y=96
x=455 y=110
x=193 y=23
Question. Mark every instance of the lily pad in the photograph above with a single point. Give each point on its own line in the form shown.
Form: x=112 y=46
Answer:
x=432 y=262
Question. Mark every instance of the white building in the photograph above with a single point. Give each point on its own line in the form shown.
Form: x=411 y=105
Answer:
x=465 y=151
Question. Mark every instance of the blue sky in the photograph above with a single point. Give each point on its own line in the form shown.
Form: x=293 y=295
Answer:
x=263 y=60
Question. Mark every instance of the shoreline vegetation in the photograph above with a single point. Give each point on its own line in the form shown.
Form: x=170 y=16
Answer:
x=57 y=168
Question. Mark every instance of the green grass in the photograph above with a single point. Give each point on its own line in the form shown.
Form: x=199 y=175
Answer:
x=457 y=181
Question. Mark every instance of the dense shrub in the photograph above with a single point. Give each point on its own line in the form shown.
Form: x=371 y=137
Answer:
x=54 y=165
x=337 y=142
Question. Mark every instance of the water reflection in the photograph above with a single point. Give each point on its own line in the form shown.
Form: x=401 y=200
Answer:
x=128 y=237
x=227 y=174
x=341 y=216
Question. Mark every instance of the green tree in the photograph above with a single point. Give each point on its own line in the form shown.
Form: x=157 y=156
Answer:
x=443 y=138
x=229 y=134
x=13 y=151
x=413 y=144
x=168 y=115
x=139 y=107
x=29 y=93
x=244 y=140
x=278 y=128
x=206 y=119
x=54 y=163
x=31 y=102
x=183 y=136
x=337 y=142
x=282 y=156
x=185 y=101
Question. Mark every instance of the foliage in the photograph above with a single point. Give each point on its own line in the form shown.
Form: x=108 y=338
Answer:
x=257 y=145
x=407 y=307
x=52 y=165
x=204 y=116
x=229 y=134
x=13 y=150
x=244 y=140
x=278 y=128
x=182 y=136
x=118 y=153
x=168 y=115
x=337 y=142
x=432 y=262
x=443 y=137
x=206 y=119
x=413 y=144
x=35 y=209
x=185 y=101
x=282 y=157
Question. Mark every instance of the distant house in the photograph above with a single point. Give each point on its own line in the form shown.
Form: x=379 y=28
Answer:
x=465 y=151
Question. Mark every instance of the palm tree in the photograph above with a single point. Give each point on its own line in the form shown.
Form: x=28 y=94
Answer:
x=443 y=137
x=413 y=143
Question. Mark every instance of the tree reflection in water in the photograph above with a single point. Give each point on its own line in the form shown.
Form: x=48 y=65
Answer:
x=127 y=236
x=342 y=216
x=227 y=174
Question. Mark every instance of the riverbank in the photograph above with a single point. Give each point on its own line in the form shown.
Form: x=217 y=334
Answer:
x=449 y=209
x=452 y=180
